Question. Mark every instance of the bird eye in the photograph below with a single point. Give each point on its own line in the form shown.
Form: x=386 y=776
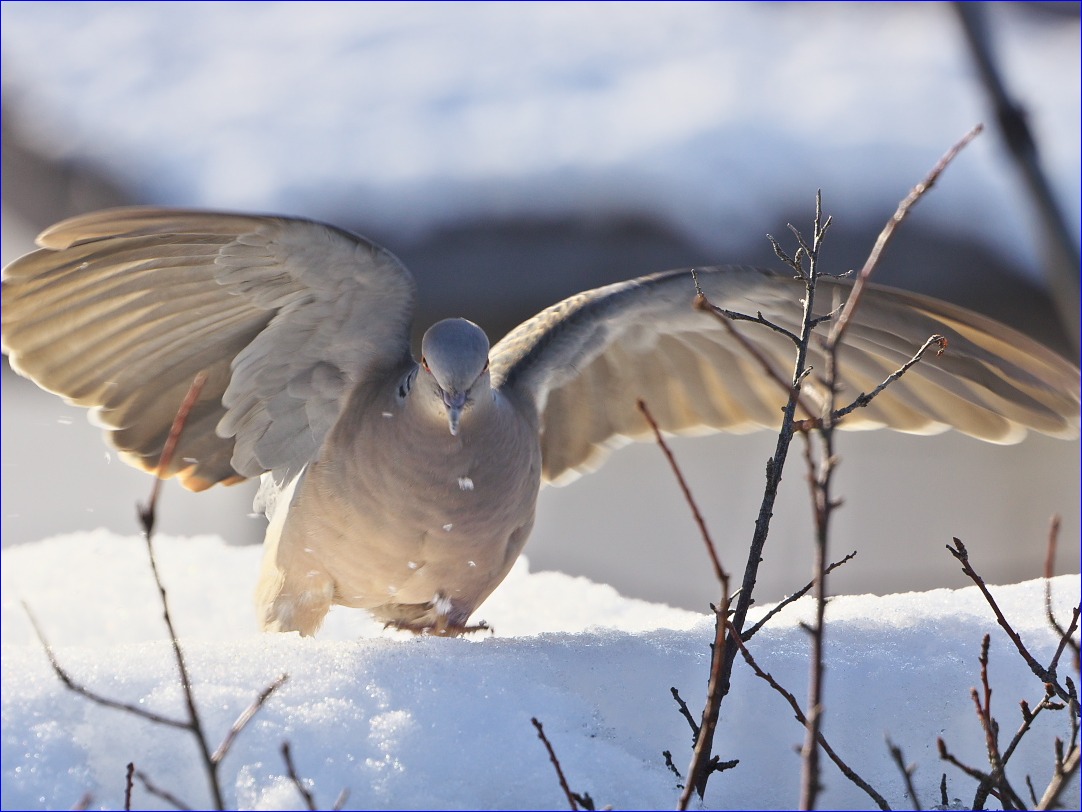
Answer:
x=424 y=363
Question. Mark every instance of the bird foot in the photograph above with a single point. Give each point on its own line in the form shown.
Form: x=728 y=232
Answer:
x=441 y=628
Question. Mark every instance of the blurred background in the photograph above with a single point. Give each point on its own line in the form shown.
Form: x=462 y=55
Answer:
x=513 y=154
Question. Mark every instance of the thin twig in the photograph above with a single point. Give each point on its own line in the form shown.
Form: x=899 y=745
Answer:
x=842 y=322
x=711 y=550
x=129 y=777
x=823 y=504
x=571 y=801
x=148 y=511
x=703 y=763
x=1065 y=771
x=246 y=716
x=848 y=771
x=724 y=317
x=997 y=778
x=69 y=682
x=340 y=801
x=148 y=515
x=158 y=792
x=949 y=757
x=686 y=713
x=1058 y=246
x=1049 y=572
x=291 y=771
x=863 y=399
x=672 y=767
x=774 y=468
x=703 y=303
x=800 y=593
x=1043 y=674
x=906 y=771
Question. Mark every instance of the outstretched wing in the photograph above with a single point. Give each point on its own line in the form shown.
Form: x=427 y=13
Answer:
x=586 y=361
x=120 y=309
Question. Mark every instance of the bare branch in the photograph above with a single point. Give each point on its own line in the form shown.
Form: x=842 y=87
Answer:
x=719 y=572
x=148 y=511
x=972 y=772
x=998 y=777
x=847 y=771
x=703 y=303
x=148 y=516
x=1049 y=572
x=906 y=771
x=686 y=713
x=703 y=764
x=1043 y=674
x=672 y=767
x=573 y=798
x=340 y=801
x=158 y=792
x=724 y=317
x=1065 y=771
x=246 y=716
x=69 y=682
x=863 y=399
x=800 y=593
x=129 y=776
x=291 y=770
x=842 y=323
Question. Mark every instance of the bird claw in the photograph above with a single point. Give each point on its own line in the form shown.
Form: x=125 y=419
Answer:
x=441 y=628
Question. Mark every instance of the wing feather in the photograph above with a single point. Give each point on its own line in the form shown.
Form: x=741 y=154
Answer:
x=583 y=362
x=120 y=309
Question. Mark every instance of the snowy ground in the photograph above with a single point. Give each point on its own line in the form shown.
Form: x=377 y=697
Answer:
x=415 y=723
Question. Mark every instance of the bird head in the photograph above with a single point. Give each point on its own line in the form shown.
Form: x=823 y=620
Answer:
x=454 y=357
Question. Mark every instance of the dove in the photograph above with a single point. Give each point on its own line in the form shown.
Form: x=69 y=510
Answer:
x=407 y=487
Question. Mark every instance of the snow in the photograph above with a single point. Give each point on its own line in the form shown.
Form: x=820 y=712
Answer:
x=405 y=722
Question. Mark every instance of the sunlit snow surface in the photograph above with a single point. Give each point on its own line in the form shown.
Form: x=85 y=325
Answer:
x=403 y=722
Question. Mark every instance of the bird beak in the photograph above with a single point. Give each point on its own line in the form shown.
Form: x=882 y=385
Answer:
x=455 y=403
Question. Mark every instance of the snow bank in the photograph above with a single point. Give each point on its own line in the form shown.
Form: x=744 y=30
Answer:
x=403 y=722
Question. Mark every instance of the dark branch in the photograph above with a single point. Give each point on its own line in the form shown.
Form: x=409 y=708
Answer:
x=69 y=682
x=686 y=713
x=863 y=399
x=907 y=772
x=711 y=550
x=158 y=792
x=572 y=798
x=842 y=323
x=1043 y=674
x=800 y=593
x=847 y=771
x=246 y=716
x=291 y=771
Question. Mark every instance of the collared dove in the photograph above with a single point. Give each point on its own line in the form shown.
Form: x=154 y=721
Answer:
x=408 y=488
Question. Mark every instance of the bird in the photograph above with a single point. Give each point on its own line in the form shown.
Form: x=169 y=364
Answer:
x=407 y=486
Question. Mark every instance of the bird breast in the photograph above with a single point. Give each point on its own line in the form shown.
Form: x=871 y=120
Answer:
x=398 y=510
